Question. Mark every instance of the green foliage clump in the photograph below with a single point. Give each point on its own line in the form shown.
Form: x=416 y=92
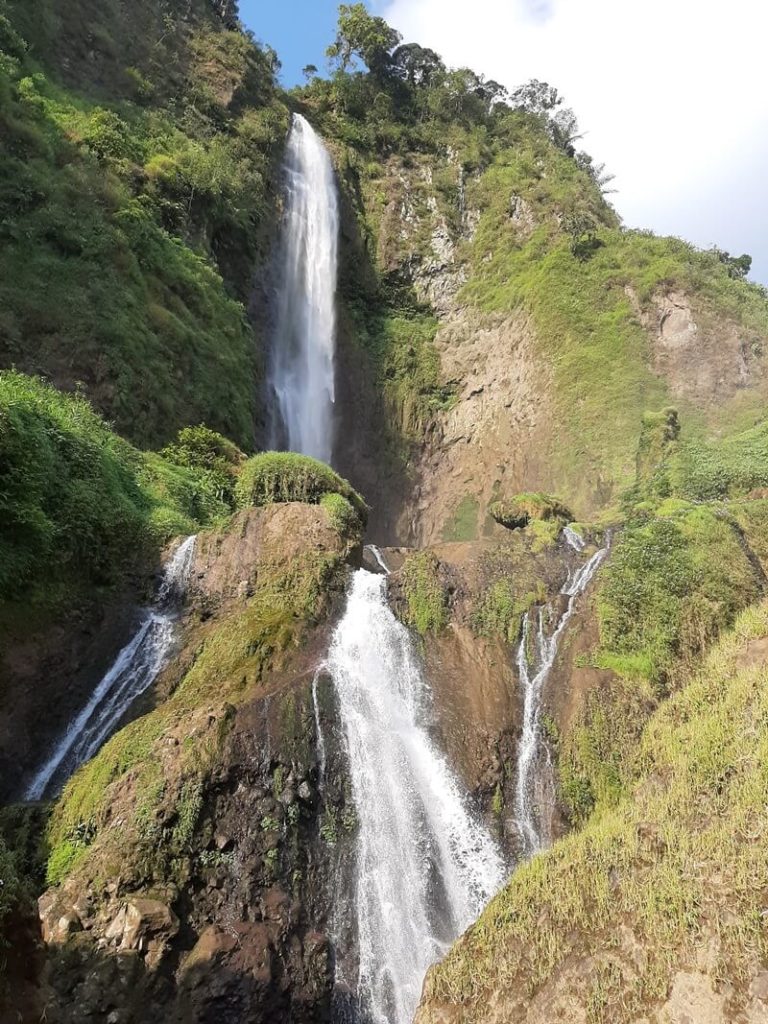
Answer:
x=207 y=451
x=286 y=476
x=426 y=597
x=500 y=610
x=73 y=489
x=341 y=514
x=727 y=468
x=519 y=511
x=671 y=585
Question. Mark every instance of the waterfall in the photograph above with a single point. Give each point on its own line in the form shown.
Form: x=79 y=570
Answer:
x=302 y=368
x=133 y=671
x=541 y=632
x=425 y=868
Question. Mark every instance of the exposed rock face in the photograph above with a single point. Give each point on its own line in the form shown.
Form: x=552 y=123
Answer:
x=210 y=900
x=496 y=437
x=705 y=358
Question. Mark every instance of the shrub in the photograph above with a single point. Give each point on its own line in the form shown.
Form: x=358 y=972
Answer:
x=427 y=609
x=274 y=477
x=514 y=513
x=73 y=489
x=206 y=450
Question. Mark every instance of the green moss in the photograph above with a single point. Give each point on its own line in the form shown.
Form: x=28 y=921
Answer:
x=341 y=515
x=501 y=608
x=286 y=476
x=462 y=526
x=427 y=601
x=519 y=511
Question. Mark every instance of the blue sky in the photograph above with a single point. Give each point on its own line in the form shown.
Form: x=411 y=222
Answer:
x=670 y=94
x=300 y=31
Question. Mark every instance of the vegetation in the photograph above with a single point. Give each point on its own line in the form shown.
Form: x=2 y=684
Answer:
x=285 y=476
x=675 y=859
x=132 y=212
x=79 y=504
x=426 y=597
x=234 y=654
x=519 y=511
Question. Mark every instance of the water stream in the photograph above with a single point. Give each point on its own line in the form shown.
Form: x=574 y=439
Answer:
x=541 y=632
x=302 y=365
x=133 y=671
x=425 y=865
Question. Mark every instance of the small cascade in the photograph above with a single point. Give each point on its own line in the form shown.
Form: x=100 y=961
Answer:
x=378 y=558
x=134 y=670
x=425 y=867
x=541 y=632
x=302 y=370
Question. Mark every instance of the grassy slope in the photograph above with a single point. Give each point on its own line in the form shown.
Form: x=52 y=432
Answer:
x=81 y=506
x=126 y=191
x=683 y=852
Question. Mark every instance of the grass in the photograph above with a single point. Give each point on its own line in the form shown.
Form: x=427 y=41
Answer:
x=682 y=853
x=74 y=489
x=462 y=526
x=286 y=476
x=427 y=601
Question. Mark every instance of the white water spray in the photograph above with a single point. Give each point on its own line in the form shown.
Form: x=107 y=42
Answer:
x=425 y=868
x=534 y=665
x=302 y=371
x=132 y=673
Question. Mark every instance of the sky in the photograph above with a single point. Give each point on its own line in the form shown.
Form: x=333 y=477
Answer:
x=670 y=94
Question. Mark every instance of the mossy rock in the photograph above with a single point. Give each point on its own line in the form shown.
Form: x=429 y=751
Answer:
x=275 y=477
x=517 y=512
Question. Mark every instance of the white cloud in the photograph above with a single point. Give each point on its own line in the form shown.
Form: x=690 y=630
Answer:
x=670 y=93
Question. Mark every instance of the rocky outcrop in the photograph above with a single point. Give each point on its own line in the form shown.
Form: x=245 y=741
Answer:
x=196 y=887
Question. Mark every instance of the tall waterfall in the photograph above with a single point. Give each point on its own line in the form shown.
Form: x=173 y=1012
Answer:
x=133 y=671
x=424 y=866
x=542 y=629
x=302 y=367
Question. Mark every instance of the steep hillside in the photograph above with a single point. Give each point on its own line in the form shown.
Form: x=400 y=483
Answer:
x=137 y=192
x=655 y=911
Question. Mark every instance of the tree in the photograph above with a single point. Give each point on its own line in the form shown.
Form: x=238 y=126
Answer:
x=360 y=34
x=416 y=64
x=536 y=97
x=737 y=266
x=309 y=71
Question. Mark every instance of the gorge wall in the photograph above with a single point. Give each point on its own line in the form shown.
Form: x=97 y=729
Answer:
x=497 y=332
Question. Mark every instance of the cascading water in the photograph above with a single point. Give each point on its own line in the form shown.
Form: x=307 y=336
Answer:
x=541 y=632
x=302 y=368
x=425 y=867
x=132 y=673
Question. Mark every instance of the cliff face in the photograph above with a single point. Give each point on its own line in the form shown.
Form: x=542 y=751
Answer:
x=499 y=332
x=193 y=855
